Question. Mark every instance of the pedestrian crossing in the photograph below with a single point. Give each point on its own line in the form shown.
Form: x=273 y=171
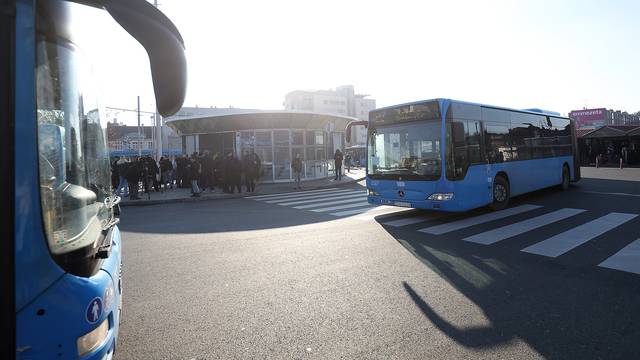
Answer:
x=338 y=202
x=491 y=228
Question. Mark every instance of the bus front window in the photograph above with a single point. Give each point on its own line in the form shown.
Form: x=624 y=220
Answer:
x=73 y=157
x=407 y=150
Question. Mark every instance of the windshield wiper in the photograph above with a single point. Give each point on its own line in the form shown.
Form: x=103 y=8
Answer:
x=111 y=202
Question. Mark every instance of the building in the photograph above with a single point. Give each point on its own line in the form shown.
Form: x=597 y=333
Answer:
x=126 y=141
x=275 y=136
x=341 y=101
x=595 y=118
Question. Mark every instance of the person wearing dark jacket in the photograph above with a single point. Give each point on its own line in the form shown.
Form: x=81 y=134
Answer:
x=195 y=170
x=207 y=171
x=337 y=160
x=296 y=166
x=133 y=173
x=115 y=173
x=251 y=165
x=181 y=172
x=234 y=173
x=166 y=171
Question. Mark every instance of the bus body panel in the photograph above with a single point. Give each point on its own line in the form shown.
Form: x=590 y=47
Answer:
x=34 y=268
x=52 y=323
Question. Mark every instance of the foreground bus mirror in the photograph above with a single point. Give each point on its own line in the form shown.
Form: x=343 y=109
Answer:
x=164 y=45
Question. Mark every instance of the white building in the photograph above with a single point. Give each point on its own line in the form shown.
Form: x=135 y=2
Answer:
x=341 y=101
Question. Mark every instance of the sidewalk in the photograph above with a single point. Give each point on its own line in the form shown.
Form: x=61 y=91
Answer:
x=611 y=173
x=184 y=195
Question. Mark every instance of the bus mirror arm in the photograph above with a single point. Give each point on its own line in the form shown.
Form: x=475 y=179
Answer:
x=164 y=45
x=347 y=130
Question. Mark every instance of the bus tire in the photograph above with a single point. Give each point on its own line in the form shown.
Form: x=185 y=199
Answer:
x=501 y=194
x=566 y=178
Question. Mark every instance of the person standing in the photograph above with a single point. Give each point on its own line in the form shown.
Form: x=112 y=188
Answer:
x=296 y=166
x=347 y=162
x=133 y=173
x=194 y=174
x=166 y=171
x=123 y=185
x=115 y=174
x=234 y=173
x=251 y=165
x=337 y=160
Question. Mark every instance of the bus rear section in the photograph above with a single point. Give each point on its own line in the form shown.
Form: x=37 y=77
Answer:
x=455 y=156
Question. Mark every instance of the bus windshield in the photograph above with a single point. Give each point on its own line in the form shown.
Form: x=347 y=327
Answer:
x=73 y=157
x=407 y=150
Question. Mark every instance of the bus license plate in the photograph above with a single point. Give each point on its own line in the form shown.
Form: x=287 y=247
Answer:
x=402 y=204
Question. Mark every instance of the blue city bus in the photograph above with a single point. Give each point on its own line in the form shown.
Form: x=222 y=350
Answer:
x=60 y=253
x=455 y=156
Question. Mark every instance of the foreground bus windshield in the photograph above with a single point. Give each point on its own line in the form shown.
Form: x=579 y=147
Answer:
x=405 y=142
x=450 y=155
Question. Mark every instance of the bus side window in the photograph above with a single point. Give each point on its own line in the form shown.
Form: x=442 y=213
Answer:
x=497 y=143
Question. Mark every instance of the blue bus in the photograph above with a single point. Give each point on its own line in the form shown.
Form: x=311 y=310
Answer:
x=450 y=155
x=60 y=253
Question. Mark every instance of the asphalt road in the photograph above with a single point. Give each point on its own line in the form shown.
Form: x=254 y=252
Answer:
x=270 y=277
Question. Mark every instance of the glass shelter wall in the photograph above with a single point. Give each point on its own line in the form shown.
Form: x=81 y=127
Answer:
x=278 y=147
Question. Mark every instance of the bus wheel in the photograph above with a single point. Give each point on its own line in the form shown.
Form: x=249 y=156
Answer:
x=565 y=178
x=500 y=193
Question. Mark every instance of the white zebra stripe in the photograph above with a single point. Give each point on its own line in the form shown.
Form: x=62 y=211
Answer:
x=477 y=220
x=505 y=232
x=305 y=196
x=361 y=210
x=292 y=192
x=339 y=207
x=570 y=239
x=361 y=199
x=337 y=197
x=627 y=259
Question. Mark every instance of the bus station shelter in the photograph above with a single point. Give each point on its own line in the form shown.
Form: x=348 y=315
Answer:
x=276 y=137
x=610 y=143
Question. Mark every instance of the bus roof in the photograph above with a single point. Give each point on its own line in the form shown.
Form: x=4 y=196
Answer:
x=534 y=111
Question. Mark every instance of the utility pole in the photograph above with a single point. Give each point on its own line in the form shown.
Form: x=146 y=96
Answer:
x=158 y=120
x=139 y=135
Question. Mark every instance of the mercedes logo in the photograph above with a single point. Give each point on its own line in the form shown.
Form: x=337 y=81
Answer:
x=401 y=193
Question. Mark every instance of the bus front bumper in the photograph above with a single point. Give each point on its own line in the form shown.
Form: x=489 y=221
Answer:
x=444 y=205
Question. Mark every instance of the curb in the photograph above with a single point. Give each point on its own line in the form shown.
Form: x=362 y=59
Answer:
x=232 y=196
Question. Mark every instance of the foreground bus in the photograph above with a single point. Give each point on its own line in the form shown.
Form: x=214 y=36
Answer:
x=455 y=156
x=60 y=253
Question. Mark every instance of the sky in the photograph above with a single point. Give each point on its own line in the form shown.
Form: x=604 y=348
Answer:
x=555 y=55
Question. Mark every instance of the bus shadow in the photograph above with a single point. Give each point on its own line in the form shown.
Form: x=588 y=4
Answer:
x=560 y=312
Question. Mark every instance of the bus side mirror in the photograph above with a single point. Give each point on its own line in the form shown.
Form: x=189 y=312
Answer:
x=164 y=45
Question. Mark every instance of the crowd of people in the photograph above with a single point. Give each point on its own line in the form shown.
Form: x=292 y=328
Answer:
x=199 y=172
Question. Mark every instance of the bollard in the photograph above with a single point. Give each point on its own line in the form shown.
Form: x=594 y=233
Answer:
x=597 y=162
x=620 y=163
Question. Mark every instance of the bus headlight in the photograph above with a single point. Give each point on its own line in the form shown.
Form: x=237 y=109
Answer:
x=93 y=339
x=373 y=192
x=441 y=197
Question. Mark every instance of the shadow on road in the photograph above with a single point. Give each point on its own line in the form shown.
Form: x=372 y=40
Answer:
x=562 y=316
x=217 y=216
x=562 y=311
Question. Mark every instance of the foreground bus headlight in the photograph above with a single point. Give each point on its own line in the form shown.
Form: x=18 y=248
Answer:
x=93 y=339
x=441 y=197
x=373 y=192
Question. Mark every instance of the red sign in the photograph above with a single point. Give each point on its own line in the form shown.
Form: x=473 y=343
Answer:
x=589 y=118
